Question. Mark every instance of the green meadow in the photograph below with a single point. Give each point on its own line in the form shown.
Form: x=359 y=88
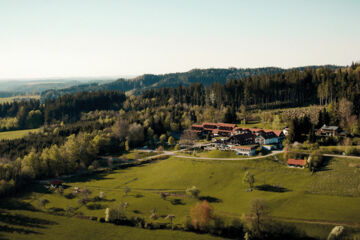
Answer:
x=9 y=135
x=213 y=154
x=26 y=224
x=312 y=202
x=11 y=99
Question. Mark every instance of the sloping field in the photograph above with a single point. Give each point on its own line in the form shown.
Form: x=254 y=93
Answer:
x=16 y=134
x=293 y=194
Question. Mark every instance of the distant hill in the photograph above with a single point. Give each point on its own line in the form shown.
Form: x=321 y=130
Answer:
x=36 y=86
x=147 y=81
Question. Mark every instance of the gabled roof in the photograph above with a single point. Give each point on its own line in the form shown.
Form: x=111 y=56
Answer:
x=231 y=125
x=268 y=135
x=331 y=128
x=243 y=136
x=300 y=162
x=197 y=125
x=56 y=182
x=208 y=123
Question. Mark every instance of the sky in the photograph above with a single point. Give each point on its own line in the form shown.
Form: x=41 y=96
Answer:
x=91 y=38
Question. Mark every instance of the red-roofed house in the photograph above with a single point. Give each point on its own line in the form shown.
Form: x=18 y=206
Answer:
x=225 y=129
x=296 y=162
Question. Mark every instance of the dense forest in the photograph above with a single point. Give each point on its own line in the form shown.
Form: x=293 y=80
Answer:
x=272 y=90
x=292 y=88
x=150 y=81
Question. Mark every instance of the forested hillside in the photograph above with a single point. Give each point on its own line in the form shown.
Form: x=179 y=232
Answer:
x=150 y=81
x=290 y=88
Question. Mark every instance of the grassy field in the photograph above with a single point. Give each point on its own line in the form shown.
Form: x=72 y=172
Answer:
x=214 y=154
x=38 y=225
x=16 y=134
x=11 y=99
x=139 y=154
x=294 y=194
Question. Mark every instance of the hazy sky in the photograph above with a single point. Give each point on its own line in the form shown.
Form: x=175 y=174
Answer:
x=52 y=38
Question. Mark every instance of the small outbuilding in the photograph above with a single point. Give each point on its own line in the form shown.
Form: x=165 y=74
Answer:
x=296 y=162
x=56 y=183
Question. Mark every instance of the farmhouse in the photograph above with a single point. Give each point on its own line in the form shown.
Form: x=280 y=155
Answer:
x=225 y=129
x=245 y=150
x=239 y=130
x=217 y=129
x=266 y=138
x=296 y=162
x=197 y=129
x=209 y=128
x=329 y=131
x=241 y=139
x=269 y=139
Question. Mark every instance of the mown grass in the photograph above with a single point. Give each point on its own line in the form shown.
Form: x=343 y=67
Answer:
x=139 y=154
x=221 y=184
x=30 y=225
x=345 y=181
x=9 y=135
x=219 y=154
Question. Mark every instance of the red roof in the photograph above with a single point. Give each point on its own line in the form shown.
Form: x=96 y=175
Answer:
x=300 y=162
x=226 y=125
x=56 y=182
x=207 y=123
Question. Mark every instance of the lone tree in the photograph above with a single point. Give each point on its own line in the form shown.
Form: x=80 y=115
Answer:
x=171 y=141
x=170 y=217
x=259 y=210
x=249 y=179
x=188 y=138
x=315 y=160
x=201 y=214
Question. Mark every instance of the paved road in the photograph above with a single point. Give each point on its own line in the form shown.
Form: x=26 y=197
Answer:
x=174 y=154
x=228 y=159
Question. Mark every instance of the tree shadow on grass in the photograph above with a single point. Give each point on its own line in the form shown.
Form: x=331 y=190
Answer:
x=177 y=201
x=24 y=221
x=7 y=229
x=17 y=223
x=325 y=165
x=88 y=177
x=210 y=199
x=272 y=188
x=14 y=204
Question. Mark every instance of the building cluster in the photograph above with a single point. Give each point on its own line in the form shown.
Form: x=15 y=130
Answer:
x=243 y=141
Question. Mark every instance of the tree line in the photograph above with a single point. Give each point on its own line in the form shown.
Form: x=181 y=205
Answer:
x=289 y=88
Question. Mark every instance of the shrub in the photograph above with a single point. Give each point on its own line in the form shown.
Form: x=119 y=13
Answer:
x=95 y=206
x=193 y=192
x=351 y=151
x=70 y=196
